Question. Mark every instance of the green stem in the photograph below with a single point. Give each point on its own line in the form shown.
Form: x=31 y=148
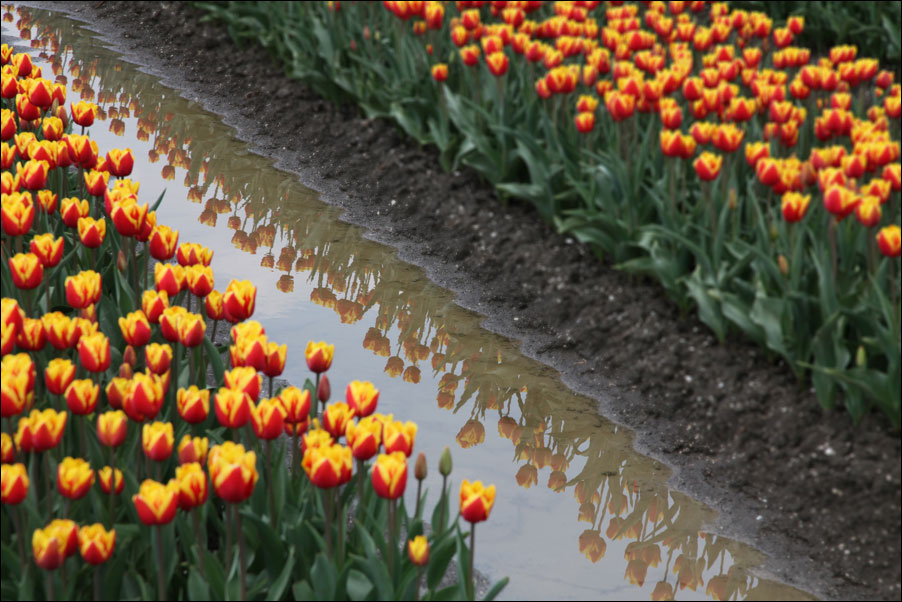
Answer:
x=112 y=501
x=48 y=581
x=273 y=518
x=327 y=500
x=471 y=578
x=161 y=577
x=241 y=561
x=195 y=518
x=441 y=520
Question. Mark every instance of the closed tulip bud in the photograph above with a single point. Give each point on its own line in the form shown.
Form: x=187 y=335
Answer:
x=96 y=544
x=319 y=356
x=191 y=329
x=83 y=289
x=94 y=352
x=192 y=481
x=120 y=162
x=440 y=72
x=327 y=466
x=398 y=436
x=96 y=182
x=268 y=418
x=13 y=482
x=418 y=550
x=238 y=301
x=48 y=250
x=233 y=472
x=153 y=303
x=362 y=397
x=26 y=270
x=889 y=241
x=193 y=449
x=296 y=403
x=324 y=389
x=420 y=468
x=58 y=375
x=157 y=439
x=74 y=478
x=364 y=437
x=112 y=427
x=17 y=213
x=389 y=475
x=163 y=242
x=157 y=503
x=444 y=462
x=233 y=407
x=476 y=501
x=48 y=548
x=73 y=209
x=213 y=305
x=81 y=396
x=83 y=113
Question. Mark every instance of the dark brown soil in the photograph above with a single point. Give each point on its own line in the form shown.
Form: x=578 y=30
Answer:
x=821 y=497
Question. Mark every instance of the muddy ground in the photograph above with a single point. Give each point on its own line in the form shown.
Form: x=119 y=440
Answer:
x=821 y=497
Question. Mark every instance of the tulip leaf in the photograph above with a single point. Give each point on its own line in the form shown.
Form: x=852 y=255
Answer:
x=197 y=586
x=496 y=589
x=302 y=591
x=323 y=577
x=359 y=586
x=439 y=559
x=375 y=565
x=215 y=361
x=215 y=574
x=278 y=586
x=451 y=592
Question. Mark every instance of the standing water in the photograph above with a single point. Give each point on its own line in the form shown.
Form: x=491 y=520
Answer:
x=579 y=514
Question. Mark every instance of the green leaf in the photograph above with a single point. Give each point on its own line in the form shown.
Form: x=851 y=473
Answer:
x=278 y=586
x=197 y=586
x=302 y=591
x=215 y=361
x=323 y=577
x=496 y=589
x=439 y=559
x=358 y=585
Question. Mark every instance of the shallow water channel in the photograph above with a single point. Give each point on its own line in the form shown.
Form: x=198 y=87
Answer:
x=579 y=514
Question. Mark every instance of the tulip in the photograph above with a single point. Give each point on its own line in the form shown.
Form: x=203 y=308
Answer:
x=81 y=396
x=120 y=162
x=319 y=356
x=364 y=437
x=193 y=449
x=199 y=279
x=58 y=375
x=52 y=128
x=193 y=404
x=83 y=113
x=707 y=166
x=94 y=352
x=33 y=174
x=497 y=62
x=268 y=418
x=191 y=329
x=233 y=471
x=47 y=249
x=96 y=182
x=153 y=303
x=49 y=549
x=7 y=453
x=13 y=482
x=31 y=336
x=585 y=122
x=440 y=72
x=889 y=241
x=398 y=436
x=274 y=362
x=418 y=550
x=158 y=357
x=74 y=477
x=145 y=397
x=163 y=241
x=156 y=503
x=135 y=328
x=128 y=216
x=96 y=544
x=17 y=213
x=26 y=270
x=476 y=501
x=389 y=475
x=169 y=278
x=190 y=253
x=840 y=201
x=336 y=418
x=868 y=211
x=794 y=206
x=296 y=402
x=327 y=466
x=192 y=481
x=17 y=392
x=238 y=300
x=169 y=322
x=112 y=427
x=59 y=330
x=213 y=305
x=233 y=407
x=106 y=475
x=45 y=151
x=244 y=379
x=83 y=289
x=117 y=390
x=73 y=209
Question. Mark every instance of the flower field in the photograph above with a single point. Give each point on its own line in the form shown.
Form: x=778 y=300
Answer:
x=109 y=372
x=689 y=142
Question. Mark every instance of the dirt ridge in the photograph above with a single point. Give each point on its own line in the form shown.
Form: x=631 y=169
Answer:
x=745 y=438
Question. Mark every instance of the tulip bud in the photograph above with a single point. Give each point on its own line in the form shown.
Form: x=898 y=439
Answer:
x=324 y=390
x=861 y=357
x=121 y=262
x=784 y=265
x=444 y=462
x=126 y=371
x=418 y=550
x=419 y=469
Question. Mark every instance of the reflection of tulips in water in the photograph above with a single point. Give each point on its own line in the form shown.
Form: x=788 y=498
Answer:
x=472 y=433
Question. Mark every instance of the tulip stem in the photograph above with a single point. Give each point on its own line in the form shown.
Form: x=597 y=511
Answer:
x=228 y=548
x=327 y=500
x=241 y=561
x=97 y=583
x=112 y=485
x=361 y=472
x=20 y=536
x=390 y=544
x=419 y=497
x=341 y=529
x=441 y=520
x=315 y=396
x=47 y=491
x=161 y=577
x=471 y=578
x=295 y=454
x=273 y=520
x=83 y=435
x=48 y=580
x=195 y=518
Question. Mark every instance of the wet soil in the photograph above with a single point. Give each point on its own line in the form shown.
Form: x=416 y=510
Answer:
x=820 y=497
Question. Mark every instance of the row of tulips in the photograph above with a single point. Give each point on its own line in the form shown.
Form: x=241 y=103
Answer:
x=73 y=311
x=626 y=125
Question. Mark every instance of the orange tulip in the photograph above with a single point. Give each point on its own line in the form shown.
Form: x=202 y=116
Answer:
x=889 y=240
x=106 y=475
x=268 y=418
x=163 y=241
x=364 y=437
x=319 y=356
x=296 y=403
x=362 y=397
x=213 y=305
x=26 y=270
x=192 y=480
x=190 y=253
x=274 y=362
x=440 y=72
x=327 y=466
x=94 y=352
x=244 y=379
x=120 y=162
x=112 y=427
x=74 y=478
x=81 y=396
x=193 y=404
x=83 y=289
x=13 y=482
x=73 y=209
x=199 y=279
x=239 y=300
x=398 y=436
x=128 y=216
x=707 y=166
x=389 y=475
x=193 y=449
x=47 y=249
x=191 y=329
x=233 y=471
x=84 y=113
x=58 y=375
x=117 y=390
x=32 y=174
x=169 y=278
x=336 y=418
x=158 y=357
x=17 y=213
x=476 y=501
x=157 y=439
x=233 y=407
x=153 y=303
x=96 y=544
x=145 y=397
x=156 y=503
x=7 y=455
x=48 y=547
x=96 y=182
x=135 y=328
x=418 y=550
x=497 y=62
x=794 y=206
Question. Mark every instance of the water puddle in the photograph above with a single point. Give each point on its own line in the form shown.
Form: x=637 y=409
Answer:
x=579 y=514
